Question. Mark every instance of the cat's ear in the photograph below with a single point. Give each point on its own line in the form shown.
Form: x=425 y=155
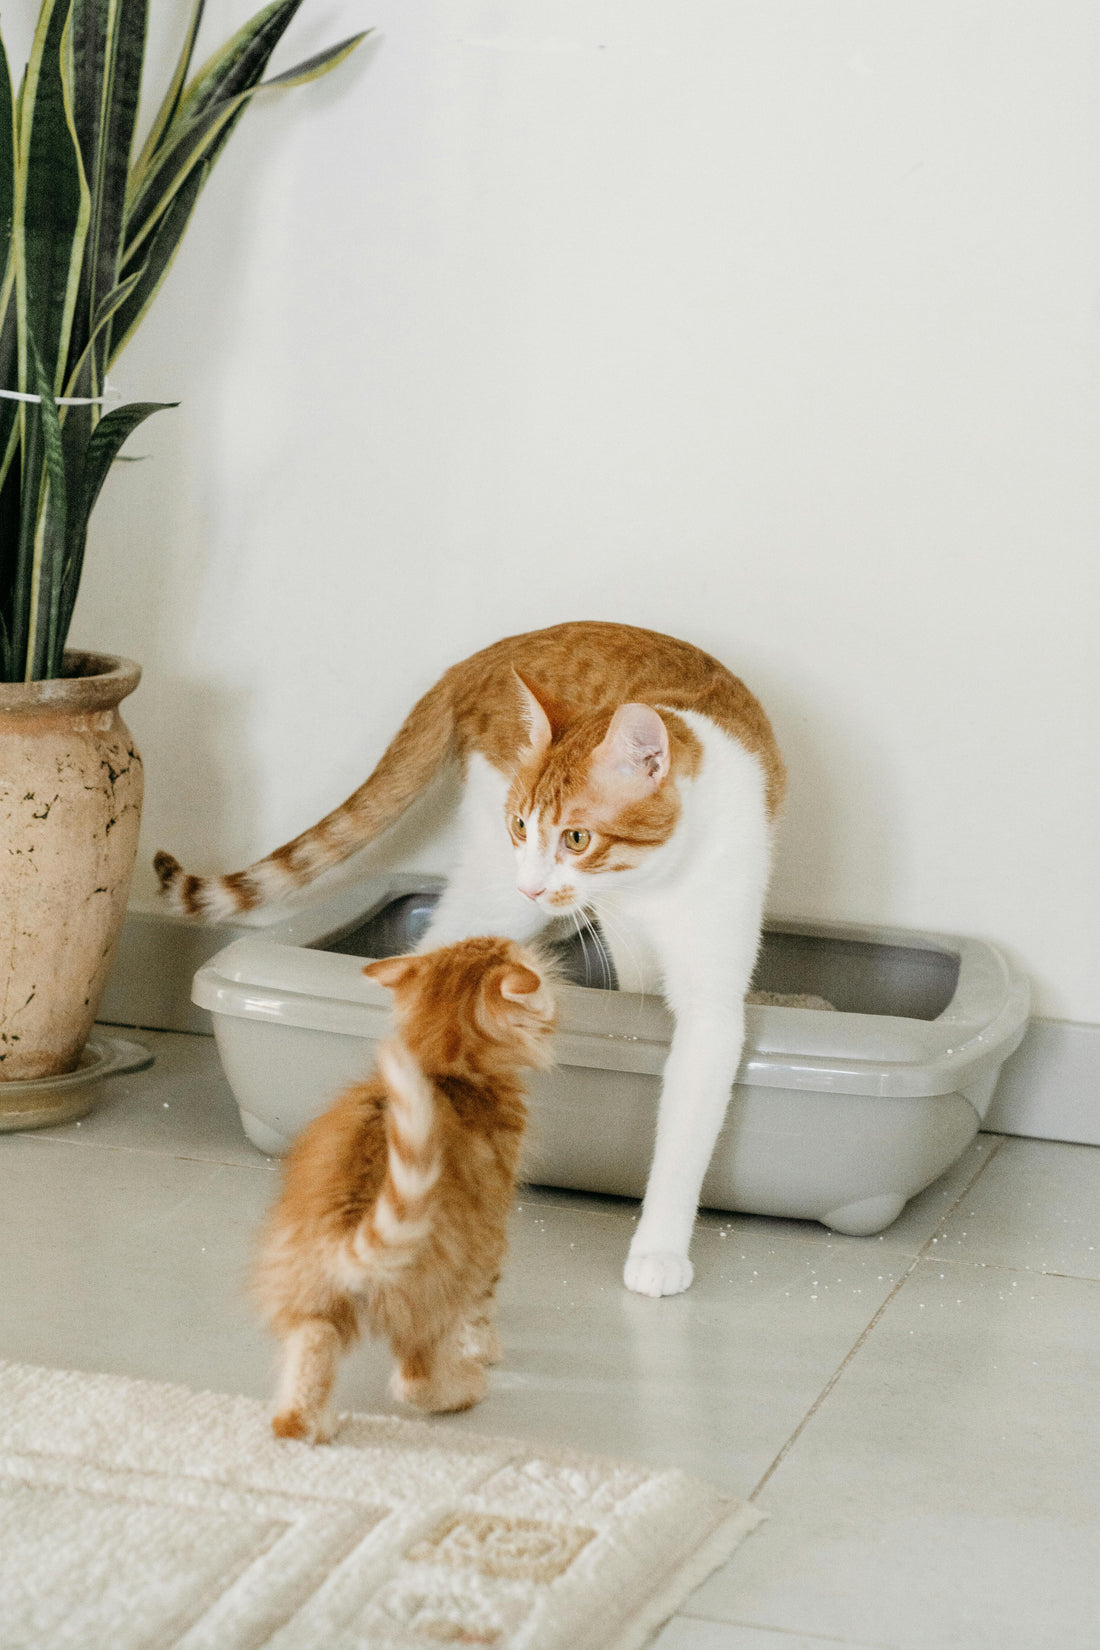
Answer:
x=539 y=727
x=635 y=748
x=519 y=982
x=390 y=971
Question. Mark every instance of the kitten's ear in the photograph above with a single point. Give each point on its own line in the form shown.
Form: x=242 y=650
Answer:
x=519 y=982
x=635 y=748
x=539 y=727
x=391 y=971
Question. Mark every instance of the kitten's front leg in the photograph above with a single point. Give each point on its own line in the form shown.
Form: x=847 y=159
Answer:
x=310 y=1356
x=439 y=1378
x=479 y=1337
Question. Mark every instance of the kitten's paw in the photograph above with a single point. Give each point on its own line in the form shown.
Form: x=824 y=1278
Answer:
x=295 y=1423
x=658 y=1274
x=442 y=1392
x=480 y=1340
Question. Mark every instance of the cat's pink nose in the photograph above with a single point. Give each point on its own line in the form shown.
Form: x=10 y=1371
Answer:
x=532 y=893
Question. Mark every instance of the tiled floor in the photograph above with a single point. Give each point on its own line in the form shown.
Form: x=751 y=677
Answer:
x=917 y=1413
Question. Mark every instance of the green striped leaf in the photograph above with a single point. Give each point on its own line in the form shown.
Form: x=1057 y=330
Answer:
x=80 y=374
x=27 y=475
x=7 y=176
x=312 y=68
x=171 y=100
x=9 y=377
x=52 y=204
x=43 y=652
x=239 y=64
x=10 y=512
x=9 y=362
x=108 y=50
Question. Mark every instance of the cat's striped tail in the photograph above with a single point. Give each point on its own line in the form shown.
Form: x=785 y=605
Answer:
x=395 y=1230
x=414 y=757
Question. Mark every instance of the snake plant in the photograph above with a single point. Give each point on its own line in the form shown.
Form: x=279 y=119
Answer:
x=87 y=233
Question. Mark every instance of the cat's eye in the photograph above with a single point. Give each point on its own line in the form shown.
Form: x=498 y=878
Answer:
x=519 y=829
x=576 y=841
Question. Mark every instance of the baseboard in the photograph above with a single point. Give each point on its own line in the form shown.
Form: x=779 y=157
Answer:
x=1049 y=1089
x=150 y=982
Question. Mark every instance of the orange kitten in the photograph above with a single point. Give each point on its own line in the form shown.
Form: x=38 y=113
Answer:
x=395 y=1202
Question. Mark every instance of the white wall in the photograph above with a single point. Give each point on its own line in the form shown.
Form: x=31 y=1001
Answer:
x=771 y=324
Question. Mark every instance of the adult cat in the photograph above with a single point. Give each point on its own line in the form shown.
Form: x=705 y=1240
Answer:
x=607 y=770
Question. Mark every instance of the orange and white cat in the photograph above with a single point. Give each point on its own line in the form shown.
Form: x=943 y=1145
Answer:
x=395 y=1201
x=608 y=771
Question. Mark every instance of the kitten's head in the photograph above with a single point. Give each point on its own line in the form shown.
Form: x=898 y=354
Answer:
x=592 y=797
x=476 y=1008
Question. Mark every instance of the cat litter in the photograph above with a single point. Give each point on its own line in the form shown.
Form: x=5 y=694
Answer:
x=871 y=1055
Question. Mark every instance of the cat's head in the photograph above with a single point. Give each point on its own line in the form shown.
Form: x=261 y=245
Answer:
x=472 y=1009
x=593 y=797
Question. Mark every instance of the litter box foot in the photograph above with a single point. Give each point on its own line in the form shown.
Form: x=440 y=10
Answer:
x=863 y=1219
x=261 y=1134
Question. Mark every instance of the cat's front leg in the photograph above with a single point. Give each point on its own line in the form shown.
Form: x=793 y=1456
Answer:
x=699 y=1072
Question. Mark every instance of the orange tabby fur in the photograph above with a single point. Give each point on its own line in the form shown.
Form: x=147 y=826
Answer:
x=579 y=674
x=395 y=1201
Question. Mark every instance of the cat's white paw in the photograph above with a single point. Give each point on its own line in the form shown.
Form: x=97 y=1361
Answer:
x=658 y=1274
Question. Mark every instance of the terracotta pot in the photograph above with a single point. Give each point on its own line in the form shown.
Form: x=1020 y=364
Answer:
x=71 y=786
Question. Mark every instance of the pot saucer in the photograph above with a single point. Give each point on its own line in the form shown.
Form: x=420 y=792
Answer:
x=35 y=1103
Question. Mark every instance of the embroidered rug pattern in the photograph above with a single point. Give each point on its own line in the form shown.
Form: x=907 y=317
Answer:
x=135 y=1514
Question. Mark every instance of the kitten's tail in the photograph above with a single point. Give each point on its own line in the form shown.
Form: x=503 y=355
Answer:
x=413 y=758
x=401 y=1220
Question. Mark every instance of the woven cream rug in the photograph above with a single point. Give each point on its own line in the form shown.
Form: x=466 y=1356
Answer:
x=137 y=1516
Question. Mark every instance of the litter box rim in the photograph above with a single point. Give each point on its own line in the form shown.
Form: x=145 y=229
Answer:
x=278 y=975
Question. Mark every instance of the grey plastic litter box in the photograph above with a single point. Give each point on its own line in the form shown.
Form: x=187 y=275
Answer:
x=835 y=1116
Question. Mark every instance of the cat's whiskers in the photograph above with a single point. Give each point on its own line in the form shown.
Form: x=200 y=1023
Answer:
x=578 y=913
x=628 y=950
x=582 y=921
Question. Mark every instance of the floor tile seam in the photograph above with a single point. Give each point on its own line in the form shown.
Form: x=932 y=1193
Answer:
x=1004 y=1266
x=788 y=1632
x=861 y=1339
x=134 y=1151
x=924 y=1253
x=852 y=1352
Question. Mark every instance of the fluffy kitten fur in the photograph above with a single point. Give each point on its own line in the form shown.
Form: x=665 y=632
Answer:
x=608 y=772
x=395 y=1202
